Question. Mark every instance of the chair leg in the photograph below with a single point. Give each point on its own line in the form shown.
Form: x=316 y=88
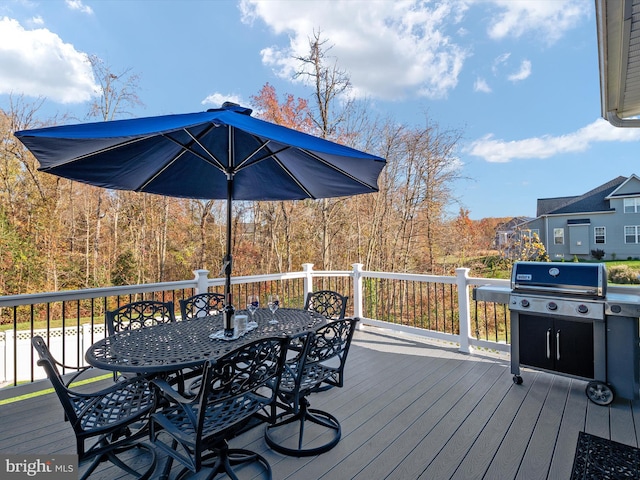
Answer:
x=223 y=459
x=278 y=436
x=112 y=457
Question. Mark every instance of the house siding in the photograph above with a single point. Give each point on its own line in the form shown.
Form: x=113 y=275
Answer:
x=579 y=226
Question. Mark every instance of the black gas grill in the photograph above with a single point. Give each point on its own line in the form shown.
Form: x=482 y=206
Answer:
x=563 y=321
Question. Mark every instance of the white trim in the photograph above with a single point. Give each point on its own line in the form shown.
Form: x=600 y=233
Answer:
x=613 y=194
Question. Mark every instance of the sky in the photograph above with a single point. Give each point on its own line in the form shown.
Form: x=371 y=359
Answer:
x=518 y=79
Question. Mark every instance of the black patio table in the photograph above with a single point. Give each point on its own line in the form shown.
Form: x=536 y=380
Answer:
x=170 y=347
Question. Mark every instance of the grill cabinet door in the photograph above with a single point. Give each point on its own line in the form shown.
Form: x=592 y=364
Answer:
x=575 y=347
x=536 y=338
x=556 y=344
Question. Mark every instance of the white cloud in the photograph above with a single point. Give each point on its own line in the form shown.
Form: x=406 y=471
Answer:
x=422 y=46
x=523 y=73
x=38 y=63
x=548 y=19
x=499 y=61
x=78 y=5
x=481 y=85
x=408 y=37
x=502 y=151
x=215 y=100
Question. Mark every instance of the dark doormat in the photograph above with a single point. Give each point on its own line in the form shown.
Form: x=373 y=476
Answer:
x=602 y=459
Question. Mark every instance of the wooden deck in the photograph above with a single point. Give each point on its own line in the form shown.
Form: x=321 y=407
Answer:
x=410 y=409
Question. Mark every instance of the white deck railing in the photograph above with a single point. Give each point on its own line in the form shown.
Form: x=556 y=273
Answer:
x=412 y=304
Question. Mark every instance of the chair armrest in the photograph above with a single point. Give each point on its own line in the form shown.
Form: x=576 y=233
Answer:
x=165 y=389
x=120 y=385
x=72 y=378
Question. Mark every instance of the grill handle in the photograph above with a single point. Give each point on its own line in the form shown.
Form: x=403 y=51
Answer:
x=519 y=287
x=558 y=345
x=549 y=343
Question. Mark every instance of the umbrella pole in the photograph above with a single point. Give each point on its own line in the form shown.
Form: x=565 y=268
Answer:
x=227 y=262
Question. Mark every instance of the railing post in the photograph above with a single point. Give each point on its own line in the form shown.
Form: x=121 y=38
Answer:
x=202 y=281
x=357 y=290
x=462 y=274
x=307 y=268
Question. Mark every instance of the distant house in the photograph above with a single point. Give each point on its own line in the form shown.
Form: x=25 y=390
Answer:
x=606 y=218
x=509 y=232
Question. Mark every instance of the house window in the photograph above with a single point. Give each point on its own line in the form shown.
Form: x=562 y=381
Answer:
x=528 y=234
x=503 y=238
x=600 y=234
x=632 y=234
x=558 y=236
x=631 y=205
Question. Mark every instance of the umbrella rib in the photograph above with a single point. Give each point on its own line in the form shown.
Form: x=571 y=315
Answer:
x=96 y=152
x=293 y=177
x=184 y=149
x=339 y=170
x=159 y=172
x=263 y=146
x=187 y=148
x=273 y=155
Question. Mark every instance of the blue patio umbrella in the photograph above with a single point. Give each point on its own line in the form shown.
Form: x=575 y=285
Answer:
x=218 y=154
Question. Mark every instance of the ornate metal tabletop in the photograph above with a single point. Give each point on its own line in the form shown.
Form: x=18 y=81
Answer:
x=177 y=345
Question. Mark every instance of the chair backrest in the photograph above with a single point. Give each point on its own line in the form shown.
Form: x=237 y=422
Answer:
x=140 y=314
x=201 y=305
x=323 y=357
x=50 y=366
x=327 y=303
x=229 y=392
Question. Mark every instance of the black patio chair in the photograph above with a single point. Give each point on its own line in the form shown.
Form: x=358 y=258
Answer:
x=134 y=315
x=235 y=389
x=144 y=313
x=322 y=359
x=201 y=305
x=327 y=303
x=331 y=305
x=115 y=417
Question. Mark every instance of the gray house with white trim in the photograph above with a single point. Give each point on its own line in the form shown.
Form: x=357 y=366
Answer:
x=606 y=218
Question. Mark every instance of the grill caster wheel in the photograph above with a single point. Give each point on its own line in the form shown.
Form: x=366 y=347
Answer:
x=517 y=379
x=599 y=393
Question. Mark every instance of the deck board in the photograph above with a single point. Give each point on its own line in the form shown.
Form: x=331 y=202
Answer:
x=539 y=452
x=458 y=445
x=572 y=422
x=409 y=409
x=423 y=439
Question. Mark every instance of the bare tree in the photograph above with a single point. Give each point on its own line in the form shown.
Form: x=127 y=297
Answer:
x=118 y=94
x=330 y=85
x=118 y=91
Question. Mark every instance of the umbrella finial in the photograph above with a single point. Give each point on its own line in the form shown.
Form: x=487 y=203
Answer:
x=237 y=108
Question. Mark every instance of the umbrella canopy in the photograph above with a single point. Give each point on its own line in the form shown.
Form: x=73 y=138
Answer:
x=192 y=156
x=218 y=154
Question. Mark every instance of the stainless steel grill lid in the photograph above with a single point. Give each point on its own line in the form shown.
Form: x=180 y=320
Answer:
x=584 y=279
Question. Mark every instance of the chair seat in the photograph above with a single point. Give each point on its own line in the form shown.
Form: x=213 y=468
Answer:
x=117 y=406
x=217 y=417
x=312 y=375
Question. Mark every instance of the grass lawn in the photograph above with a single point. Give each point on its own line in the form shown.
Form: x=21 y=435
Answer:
x=634 y=264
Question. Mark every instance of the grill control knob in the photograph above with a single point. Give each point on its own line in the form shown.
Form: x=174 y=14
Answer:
x=582 y=308
x=524 y=303
x=616 y=308
x=552 y=306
